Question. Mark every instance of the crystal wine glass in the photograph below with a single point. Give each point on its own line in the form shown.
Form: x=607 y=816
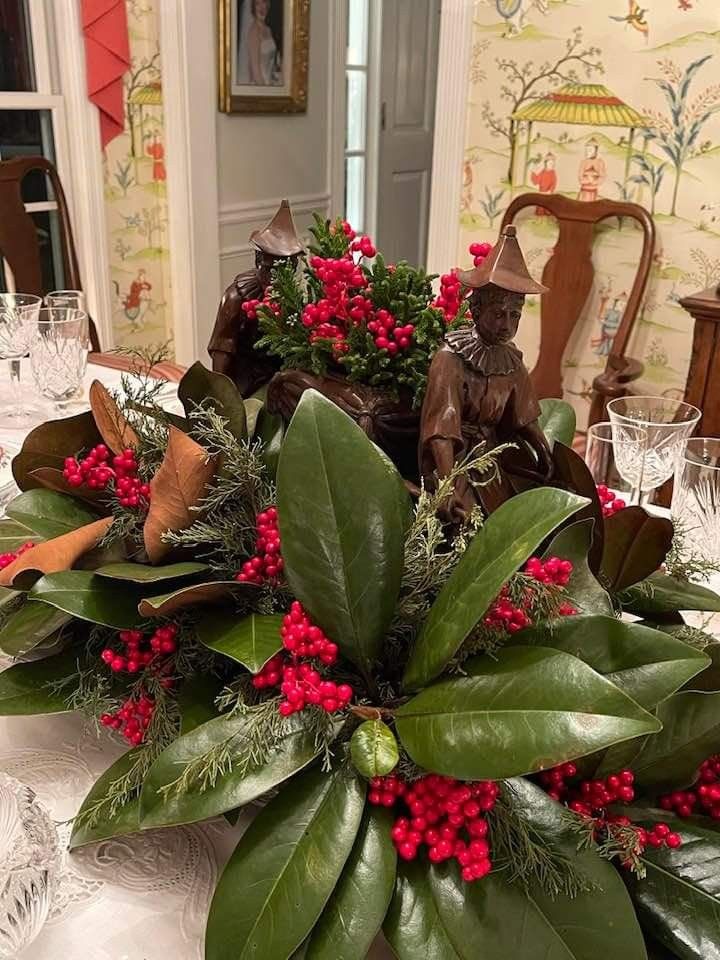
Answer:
x=66 y=298
x=30 y=861
x=18 y=316
x=615 y=456
x=668 y=424
x=58 y=353
x=696 y=496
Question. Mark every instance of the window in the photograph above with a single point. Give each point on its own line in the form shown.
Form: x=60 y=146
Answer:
x=31 y=123
x=356 y=112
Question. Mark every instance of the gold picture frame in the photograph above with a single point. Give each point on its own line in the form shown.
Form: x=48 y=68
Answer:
x=254 y=73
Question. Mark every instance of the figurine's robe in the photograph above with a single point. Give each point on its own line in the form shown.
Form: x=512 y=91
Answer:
x=468 y=407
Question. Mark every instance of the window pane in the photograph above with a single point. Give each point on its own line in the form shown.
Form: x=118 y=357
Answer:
x=16 y=63
x=355 y=191
x=357 y=32
x=356 y=110
x=26 y=133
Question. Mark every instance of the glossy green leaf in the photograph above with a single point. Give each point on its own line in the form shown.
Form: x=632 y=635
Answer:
x=196 y=701
x=30 y=626
x=509 y=536
x=48 y=444
x=644 y=663
x=635 y=546
x=8 y=597
x=343 y=511
x=557 y=421
x=679 y=899
x=101 y=824
x=510 y=921
x=241 y=784
x=84 y=595
x=143 y=573
x=196 y=595
x=660 y=594
x=30 y=688
x=373 y=749
x=573 y=543
x=709 y=679
x=200 y=385
x=251 y=640
x=49 y=514
x=413 y=925
x=14 y=535
x=691 y=732
x=528 y=709
x=359 y=902
x=270 y=429
x=284 y=869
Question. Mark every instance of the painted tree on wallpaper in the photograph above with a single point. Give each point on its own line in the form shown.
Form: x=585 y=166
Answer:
x=539 y=119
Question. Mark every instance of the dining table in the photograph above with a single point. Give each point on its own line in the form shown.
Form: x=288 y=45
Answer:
x=144 y=896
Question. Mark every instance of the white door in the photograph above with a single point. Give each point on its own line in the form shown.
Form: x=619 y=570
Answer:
x=408 y=71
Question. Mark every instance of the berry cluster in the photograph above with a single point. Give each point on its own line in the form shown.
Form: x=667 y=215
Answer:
x=383 y=326
x=7 y=558
x=266 y=566
x=450 y=296
x=96 y=472
x=444 y=814
x=362 y=245
x=250 y=307
x=703 y=797
x=511 y=617
x=609 y=501
x=132 y=719
x=478 y=251
x=140 y=651
x=300 y=683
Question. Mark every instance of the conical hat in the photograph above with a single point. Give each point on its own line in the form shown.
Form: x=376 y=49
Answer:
x=504 y=267
x=279 y=238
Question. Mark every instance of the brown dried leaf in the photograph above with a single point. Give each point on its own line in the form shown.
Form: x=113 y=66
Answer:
x=111 y=422
x=177 y=487
x=58 y=554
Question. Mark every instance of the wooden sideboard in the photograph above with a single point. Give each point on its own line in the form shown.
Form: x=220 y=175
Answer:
x=703 y=382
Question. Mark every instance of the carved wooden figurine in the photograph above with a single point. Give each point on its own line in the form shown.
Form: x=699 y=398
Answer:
x=232 y=346
x=479 y=390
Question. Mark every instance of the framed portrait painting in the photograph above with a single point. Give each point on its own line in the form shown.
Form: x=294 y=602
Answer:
x=264 y=47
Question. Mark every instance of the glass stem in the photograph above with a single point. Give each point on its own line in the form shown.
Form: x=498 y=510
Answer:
x=15 y=386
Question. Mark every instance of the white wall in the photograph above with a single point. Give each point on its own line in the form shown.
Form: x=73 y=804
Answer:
x=262 y=159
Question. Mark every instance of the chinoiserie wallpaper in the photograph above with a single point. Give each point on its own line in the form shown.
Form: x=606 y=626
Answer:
x=136 y=197
x=616 y=99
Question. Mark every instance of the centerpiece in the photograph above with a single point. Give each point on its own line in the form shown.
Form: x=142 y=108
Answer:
x=442 y=732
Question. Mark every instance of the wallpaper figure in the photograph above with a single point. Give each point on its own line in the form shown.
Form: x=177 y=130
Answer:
x=592 y=172
x=635 y=17
x=545 y=180
x=609 y=326
x=157 y=151
x=137 y=299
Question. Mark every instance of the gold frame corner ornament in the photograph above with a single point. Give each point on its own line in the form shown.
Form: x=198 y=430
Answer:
x=296 y=100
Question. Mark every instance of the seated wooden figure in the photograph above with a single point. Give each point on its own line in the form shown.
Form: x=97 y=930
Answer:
x=232 y=346
x=479 y=390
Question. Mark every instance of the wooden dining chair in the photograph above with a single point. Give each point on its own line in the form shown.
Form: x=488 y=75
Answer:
x=19 y=242
x=569 y=276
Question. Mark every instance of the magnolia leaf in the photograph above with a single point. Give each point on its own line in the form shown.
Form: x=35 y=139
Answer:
x=8 y=597
x=142 y=573
x=202 y=386
x=528 y=709
x=413 y=925
x=573 y=543
x=29 y=626
x=343 y=512
x=291 y=854
x=635 y=546
x=196 y=701
x=690 y=733
x=103 y=824
x=54 y=556
x=196 y=595
x=177 y=487
x=89 y=597
x=644 y=663
x=50 y=443
x=31 y=688
x=270 y=429
x=50 y=478
x=709 y=679
x=570 y=472
x=111 y=422
x=557 y=421
x=505 y=541
x=49 y=514
x=373 y=749
x=14 y=535
x=240 y=783
x=679 y=897
x=251 y=640
x=359 y=902
x=660 y=594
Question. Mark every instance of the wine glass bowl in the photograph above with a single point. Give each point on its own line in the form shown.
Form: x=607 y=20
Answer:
x=614 y=456
x=58 y=352
x=18 y=316
x=696 y=496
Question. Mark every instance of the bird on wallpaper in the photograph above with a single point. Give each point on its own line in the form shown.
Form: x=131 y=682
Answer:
x=684 y=5
x=635 y=17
